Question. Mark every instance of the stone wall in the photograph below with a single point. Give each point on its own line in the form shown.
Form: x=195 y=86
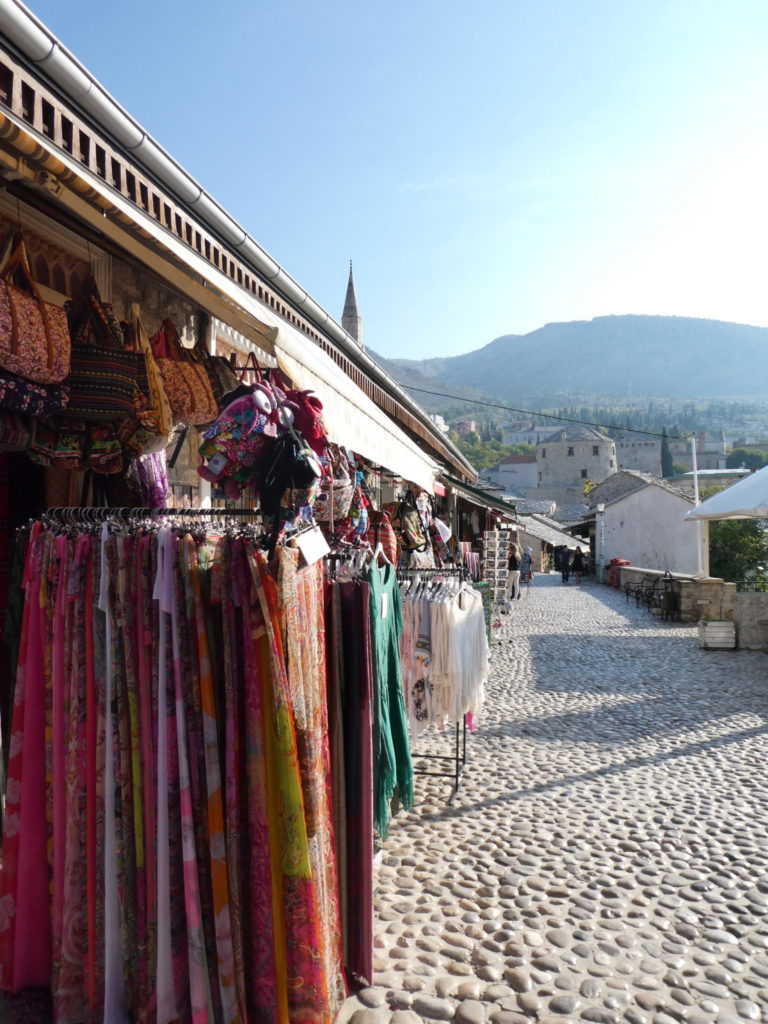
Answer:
x=707 y=598
x=131 y=284
x=751 y=615
x=643 y=455
x=556 y=468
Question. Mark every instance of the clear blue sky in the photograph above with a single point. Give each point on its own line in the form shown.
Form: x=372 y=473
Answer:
x=489 y=167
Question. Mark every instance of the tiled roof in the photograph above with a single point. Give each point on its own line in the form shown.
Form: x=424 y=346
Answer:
x=576 y=432
x=526 y=507
x=571 y=513
x=625 y=482
x=539 y=528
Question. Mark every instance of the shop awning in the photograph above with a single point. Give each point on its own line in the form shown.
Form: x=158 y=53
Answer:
x=748 y=499
x=351 y=418
x=480 y=498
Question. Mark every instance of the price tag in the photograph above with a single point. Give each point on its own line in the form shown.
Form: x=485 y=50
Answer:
x=384 y=605
x=312 y=545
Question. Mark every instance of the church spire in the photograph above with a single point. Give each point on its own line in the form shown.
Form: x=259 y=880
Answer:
x=351 y=320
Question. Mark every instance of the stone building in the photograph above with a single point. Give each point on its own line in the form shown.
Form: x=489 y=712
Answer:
x=573 y=455
x=516 y=474
x=524 y=432
x=635 y=450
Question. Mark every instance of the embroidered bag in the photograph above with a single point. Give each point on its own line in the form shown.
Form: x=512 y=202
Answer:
x=17 y=431
x=222 y=377
x=148 y=429
x=102 y=379
x=34 y=337
x=335 y=492
x=61 y=443
x=18 y=394
x=187 y=384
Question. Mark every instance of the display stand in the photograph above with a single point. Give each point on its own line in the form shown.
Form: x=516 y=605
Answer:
x=495 y=557
x=459 y=755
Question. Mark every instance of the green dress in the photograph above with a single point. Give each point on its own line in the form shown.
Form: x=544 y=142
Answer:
x=392 y=766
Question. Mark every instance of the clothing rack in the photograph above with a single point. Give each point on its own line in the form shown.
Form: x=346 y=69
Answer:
x=95 y=513
x=459 y=755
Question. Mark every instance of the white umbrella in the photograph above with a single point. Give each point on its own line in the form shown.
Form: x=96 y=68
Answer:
x=748 y=499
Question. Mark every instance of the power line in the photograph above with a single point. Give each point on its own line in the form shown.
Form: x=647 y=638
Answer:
x=548 y=415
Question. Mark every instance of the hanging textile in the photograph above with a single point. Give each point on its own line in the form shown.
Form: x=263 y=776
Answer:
x=444 y=652
x=350 y=687
x=168 y=812
x=392 y=767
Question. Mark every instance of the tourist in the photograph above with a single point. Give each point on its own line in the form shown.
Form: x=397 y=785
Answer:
x=527 y=565
x=565 y=564
x=512 y=590
x=577 y=565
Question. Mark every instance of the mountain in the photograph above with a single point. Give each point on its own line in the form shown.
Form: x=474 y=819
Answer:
x=410 y=373
x=618 y=356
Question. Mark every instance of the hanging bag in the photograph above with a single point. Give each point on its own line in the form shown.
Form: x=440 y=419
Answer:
x=222 y=377
x=18 y=394
x=186 y=382
x=102 y=379
x=34 y=337
x=17 y=431
x=148 y=429
x=335 y=492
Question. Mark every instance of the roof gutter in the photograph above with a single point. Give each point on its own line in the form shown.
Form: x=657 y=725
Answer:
x=35 y=41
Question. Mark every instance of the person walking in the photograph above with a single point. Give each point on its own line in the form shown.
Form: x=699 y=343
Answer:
x=527 y=565
x=565 y=564
x=577 y=565
x=512 y=589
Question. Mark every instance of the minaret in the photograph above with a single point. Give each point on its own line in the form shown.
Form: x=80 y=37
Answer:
x=351 y=320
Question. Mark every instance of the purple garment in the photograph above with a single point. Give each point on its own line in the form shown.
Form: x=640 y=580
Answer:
x=153 y=479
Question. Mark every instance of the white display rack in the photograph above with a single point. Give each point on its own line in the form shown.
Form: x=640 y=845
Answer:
x=495 y=555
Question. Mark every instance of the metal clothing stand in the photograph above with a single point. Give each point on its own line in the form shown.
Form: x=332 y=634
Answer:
x=96 y=513
x=459 y=755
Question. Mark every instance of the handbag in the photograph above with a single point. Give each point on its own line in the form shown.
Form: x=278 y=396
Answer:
x=17 y=431
x=102 y=378
x=104 y=452
x=148 y=429
x=222 y=377
x=335 y=492
x=186 y=381
x=18 y=394
x=61 y=444
x=34 y=336
x=381 y=531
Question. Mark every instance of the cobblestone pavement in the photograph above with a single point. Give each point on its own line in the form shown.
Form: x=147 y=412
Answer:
x=606 y=858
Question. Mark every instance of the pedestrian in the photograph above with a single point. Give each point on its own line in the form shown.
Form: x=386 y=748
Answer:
x=512 y=589
x=565 y=564
x=577 y=565
x=527 y=565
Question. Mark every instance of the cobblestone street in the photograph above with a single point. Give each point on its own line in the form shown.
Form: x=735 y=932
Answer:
x=606 y=858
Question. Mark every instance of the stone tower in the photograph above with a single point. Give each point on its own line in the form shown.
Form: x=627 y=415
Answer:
x=573 y=455
x=351 y=320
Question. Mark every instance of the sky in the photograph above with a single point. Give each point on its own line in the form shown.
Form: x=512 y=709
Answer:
x=489 y=167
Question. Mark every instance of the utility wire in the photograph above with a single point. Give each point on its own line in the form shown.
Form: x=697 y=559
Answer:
x=549 y=415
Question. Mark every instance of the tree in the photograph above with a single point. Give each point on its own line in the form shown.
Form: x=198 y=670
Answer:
x=667 y=468
x=738 y=548
x=744 y=457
